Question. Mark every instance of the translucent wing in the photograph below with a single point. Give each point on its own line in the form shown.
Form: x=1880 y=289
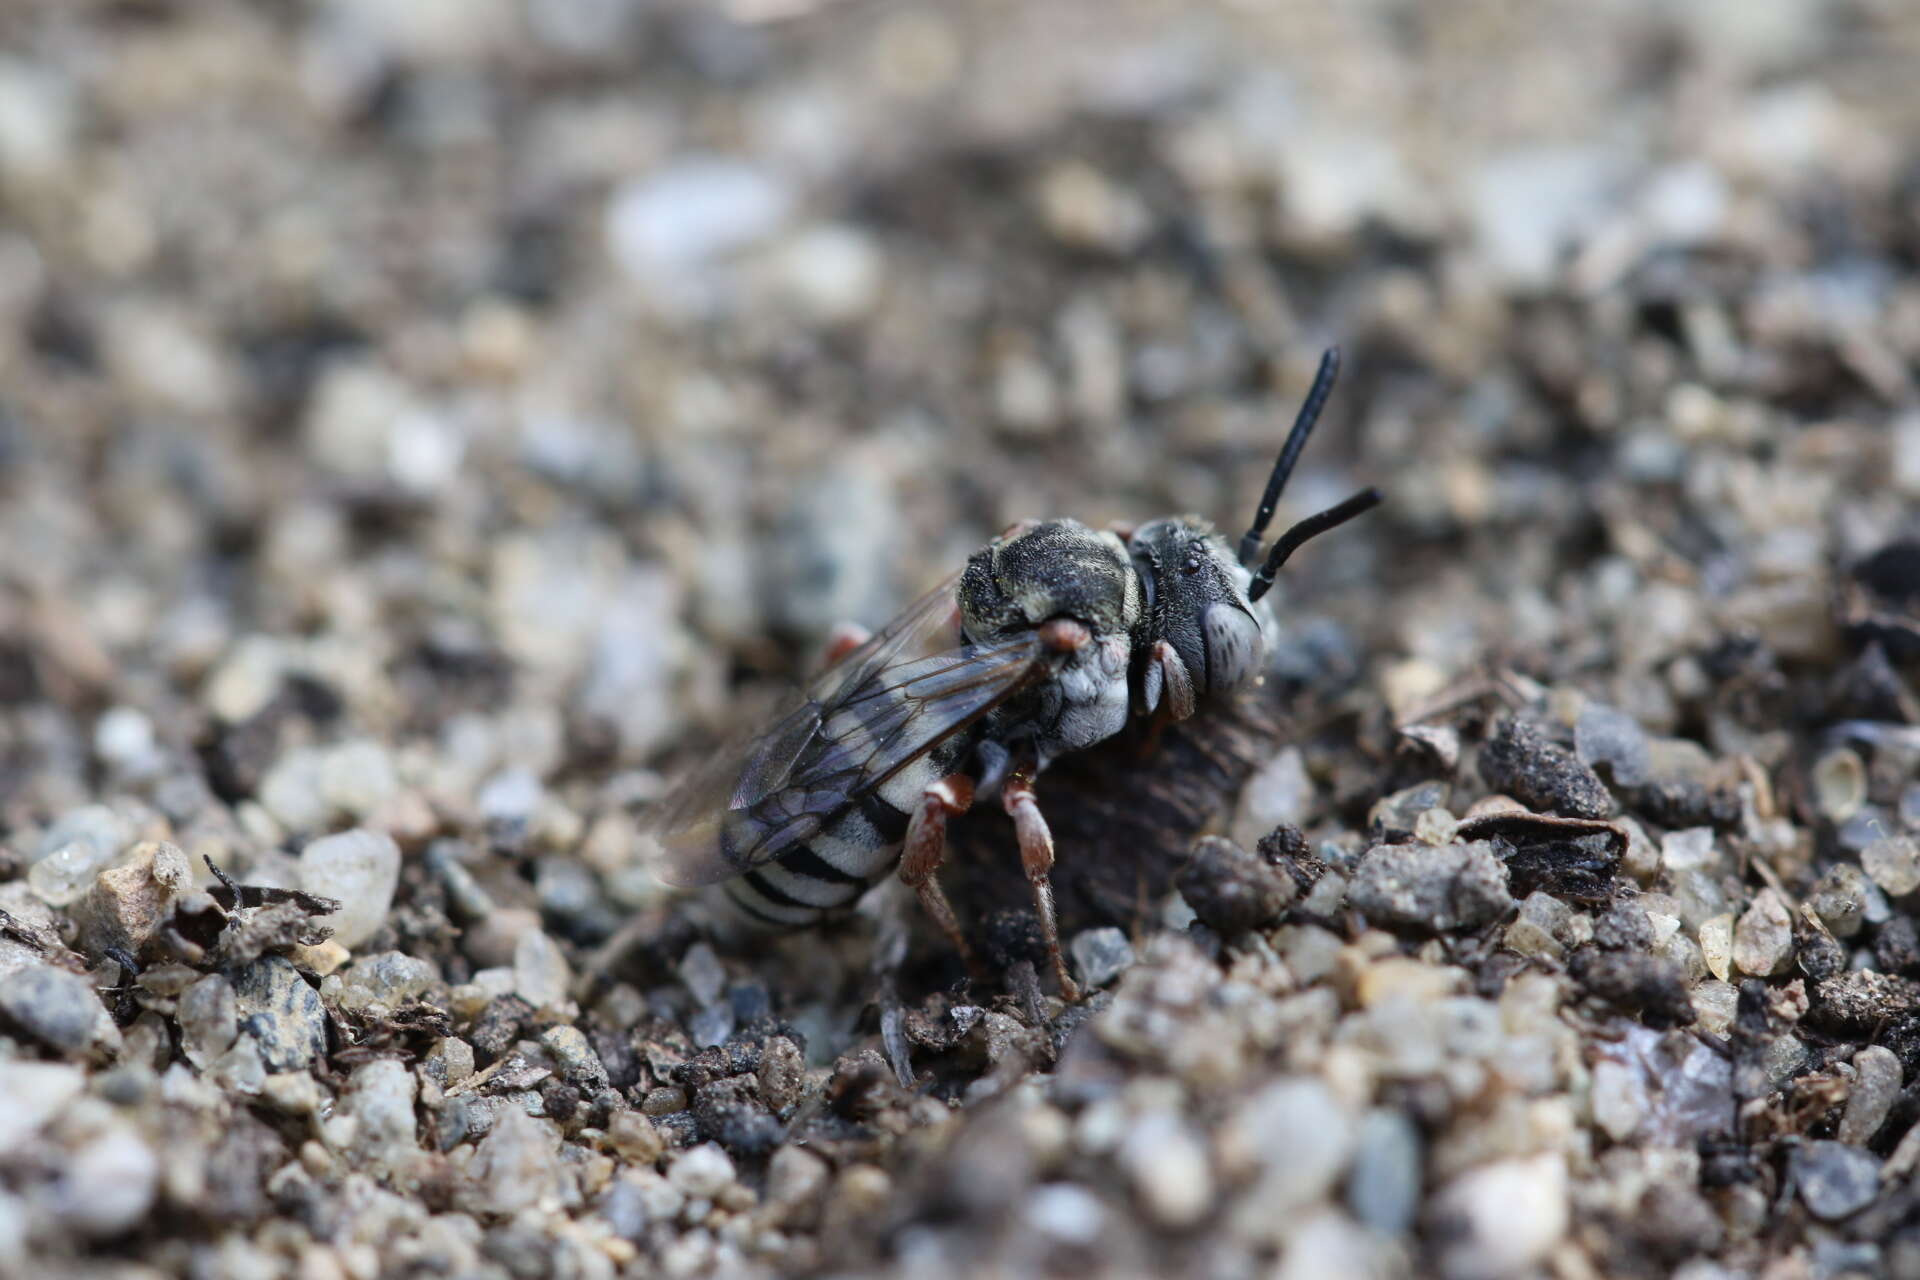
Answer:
x=908 y=689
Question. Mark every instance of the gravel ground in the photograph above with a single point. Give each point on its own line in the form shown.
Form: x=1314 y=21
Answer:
x=425 y=426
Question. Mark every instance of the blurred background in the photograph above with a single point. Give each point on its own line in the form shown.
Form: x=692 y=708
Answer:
x=427 y=415
x=566 y=356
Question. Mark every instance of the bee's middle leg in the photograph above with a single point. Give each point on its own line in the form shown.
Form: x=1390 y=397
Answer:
x=926 y=849
x=1036 y=856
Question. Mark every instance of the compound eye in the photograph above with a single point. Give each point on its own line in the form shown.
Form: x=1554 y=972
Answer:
x=1193 y=563
x=1235 y=648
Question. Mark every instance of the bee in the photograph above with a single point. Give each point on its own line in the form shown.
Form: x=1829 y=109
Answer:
x=1053 y=638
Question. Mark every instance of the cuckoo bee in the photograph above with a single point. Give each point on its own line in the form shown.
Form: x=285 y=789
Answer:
x=1051 y=639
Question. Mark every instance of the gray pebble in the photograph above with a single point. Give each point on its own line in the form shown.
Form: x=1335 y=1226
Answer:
x=1835 y=1180
x=575 y=1057
x=1875 y=1086
x=1431 y=888
x=1607 y=735
x=701 y=970
x=379 y=1097
x=389 y=978
x=711 y=1025
x=209 y=1019
x=59 y=1009
x=1100 y=955
x=541 y=975
x=516 y=1166
x=1383 y=1187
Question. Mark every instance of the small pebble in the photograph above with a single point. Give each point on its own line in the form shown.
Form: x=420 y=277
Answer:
x=1716 y=945
x=448 y=1062
x=1167 y=1164
x=1605 y=735
x=703 y=1171
x=687 y=214
x=379 y=1099
x=59 y=1009
x=1876 y=1084
x=360 y=870
x=541 y=975
x=1501 y=1218
x=31 y=1095
x=703 y=973
x=64 y=876
x=634 y=1137
x=1100 y=955
x=209 y=1019
x=1893 y=863
x=1839 y=785
x=1836 y=1180
x=1067 y=1213
x=107 y=1185
x=1842 y=899
x=282 y=1013
x=1538 y=930
x=1400 y=813
x=516 y=1165
x=126 y=905
x=1384 y=1184
x=1763 y=938
x=1280 y=791
x=1429 y=889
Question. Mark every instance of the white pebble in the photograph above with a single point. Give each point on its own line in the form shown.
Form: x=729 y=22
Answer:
x=123 y=739
x=691 y=212
x=703 y=1172
x=359 y=868
x=1168 y=1166
x=1502 y=1218
x=108 y=1184
x=1893 y=863
x=540 y=973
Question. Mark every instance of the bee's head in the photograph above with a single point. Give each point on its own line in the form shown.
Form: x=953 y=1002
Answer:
x=1195 y=598
x=1049 y=572
x=1203 y=598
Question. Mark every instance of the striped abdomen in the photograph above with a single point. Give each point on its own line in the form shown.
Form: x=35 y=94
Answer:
x=829 y=873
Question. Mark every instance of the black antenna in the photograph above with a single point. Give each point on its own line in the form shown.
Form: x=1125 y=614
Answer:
x=1290 y=452
x=1312 y=527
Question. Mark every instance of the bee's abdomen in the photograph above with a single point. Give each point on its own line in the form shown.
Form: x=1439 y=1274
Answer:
x=830 y=872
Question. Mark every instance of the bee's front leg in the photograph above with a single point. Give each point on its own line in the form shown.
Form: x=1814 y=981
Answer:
x=1036 y=856
x=926 y=849
x=1167 y=675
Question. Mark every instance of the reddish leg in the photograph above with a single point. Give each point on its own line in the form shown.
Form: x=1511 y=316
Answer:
x=1036 y=856
x=926 y=849
x=843 y=640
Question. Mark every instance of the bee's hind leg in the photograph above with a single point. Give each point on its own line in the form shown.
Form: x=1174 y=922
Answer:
x=1036 y=856
x=926 y=849
x=841 y=641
